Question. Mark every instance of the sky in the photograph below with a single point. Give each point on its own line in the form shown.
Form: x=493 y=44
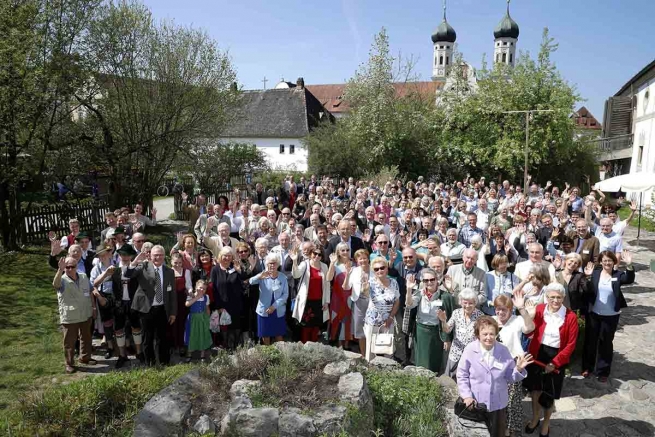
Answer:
x=602 y=43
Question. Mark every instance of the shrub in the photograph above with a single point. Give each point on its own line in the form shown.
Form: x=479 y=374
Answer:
x=94 y=406
x=406 y=405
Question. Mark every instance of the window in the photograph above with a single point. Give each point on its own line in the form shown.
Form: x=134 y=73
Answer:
x=447 y=60
x=511 y=44
x=440 y=60
x=292 y=149
x=497 y=57
x=281 y=148
x=510 y=58
x=504 y=57
x=505 y=43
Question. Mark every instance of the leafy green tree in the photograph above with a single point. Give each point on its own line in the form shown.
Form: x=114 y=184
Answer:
x=159 y=90
x=41 y=66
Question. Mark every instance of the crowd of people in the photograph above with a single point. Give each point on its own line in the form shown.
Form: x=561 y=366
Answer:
x=479 y=281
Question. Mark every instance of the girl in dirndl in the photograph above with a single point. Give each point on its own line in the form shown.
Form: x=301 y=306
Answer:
x=197 y=336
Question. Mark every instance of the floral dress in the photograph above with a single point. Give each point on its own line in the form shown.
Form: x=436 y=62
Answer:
x=381 y=301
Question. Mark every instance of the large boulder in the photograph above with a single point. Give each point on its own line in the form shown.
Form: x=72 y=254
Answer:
x=329 y=419
x=293 y=423
x=353 y=389
x=384 y=363
x=240 y=388
x=251 y=422
x=205 y=425
x=166 y=412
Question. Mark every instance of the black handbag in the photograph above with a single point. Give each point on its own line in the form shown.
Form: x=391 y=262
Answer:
x=476 y=412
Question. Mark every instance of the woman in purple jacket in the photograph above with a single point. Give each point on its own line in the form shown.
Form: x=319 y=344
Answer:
x=484 y=372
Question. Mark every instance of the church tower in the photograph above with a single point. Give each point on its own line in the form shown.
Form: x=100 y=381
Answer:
x=505 y=37
x=443 y=39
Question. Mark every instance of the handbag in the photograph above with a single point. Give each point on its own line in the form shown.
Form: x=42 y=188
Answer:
x=215 y=322
x=382 y=343
x=475 y=413
x=225 y=319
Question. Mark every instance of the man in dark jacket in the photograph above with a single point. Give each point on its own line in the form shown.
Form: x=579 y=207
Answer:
x=345 y=237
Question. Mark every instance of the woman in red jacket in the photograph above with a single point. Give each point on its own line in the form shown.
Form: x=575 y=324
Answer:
x=555 y=334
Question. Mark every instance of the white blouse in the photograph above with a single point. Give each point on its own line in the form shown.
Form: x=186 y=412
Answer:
x=553 y=322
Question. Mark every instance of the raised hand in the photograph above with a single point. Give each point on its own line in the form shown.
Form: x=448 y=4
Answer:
x=448 y=282
x=411 y=281
x=589 y=269
x=154 y=212
x=184 y=196
x=523 y=361
x=633 y=206
x=555 y=233
x=333 y=258
x=441 y=314
x=366 y=237
x=557 y=262
x=529 y=305
x=62 y=264
x=293 y=254
x=252 y=261
x=627 y=257
x=519 y=299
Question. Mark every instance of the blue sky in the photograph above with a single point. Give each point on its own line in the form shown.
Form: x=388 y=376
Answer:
x=602 y=43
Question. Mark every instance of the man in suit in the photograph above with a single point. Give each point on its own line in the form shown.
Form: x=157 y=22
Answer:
x=155 y=300
x=194 y=211
x=585 y=244
x=405 y=318
x=310 y=232
x=343 y=229
x=215 y=244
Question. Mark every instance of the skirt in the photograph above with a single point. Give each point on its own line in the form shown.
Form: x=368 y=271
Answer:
x=359 y=308
x=271 y=326
x=429 y=347
x=197 y=335
x=515 y=407
x=313 y=315
x=549 y=383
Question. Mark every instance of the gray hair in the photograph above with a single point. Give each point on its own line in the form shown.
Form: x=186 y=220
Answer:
x=273 y=257
x=467 y=294
x=261 y=241
x=556 y=287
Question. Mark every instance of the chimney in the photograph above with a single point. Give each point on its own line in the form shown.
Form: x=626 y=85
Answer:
x=300 y=83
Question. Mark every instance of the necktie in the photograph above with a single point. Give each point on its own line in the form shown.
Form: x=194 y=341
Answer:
x=159 y=294
x=580 y=243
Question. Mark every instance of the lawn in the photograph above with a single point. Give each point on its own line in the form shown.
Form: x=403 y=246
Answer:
x=646 y=223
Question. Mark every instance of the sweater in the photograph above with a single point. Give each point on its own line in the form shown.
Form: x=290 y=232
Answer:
x=568 y=333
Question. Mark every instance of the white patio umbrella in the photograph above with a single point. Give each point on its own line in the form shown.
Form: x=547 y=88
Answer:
x=635 y=182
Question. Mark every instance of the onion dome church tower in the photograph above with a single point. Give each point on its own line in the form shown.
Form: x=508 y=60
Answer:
x=506 y=36
x=443 y=39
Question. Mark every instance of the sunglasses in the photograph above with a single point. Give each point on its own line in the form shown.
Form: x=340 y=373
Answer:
x=317 y=254
x=70 y=267
x=243 y=251
x=383 y=242
x=429 y=281
x=377 y=269
x=408 y=257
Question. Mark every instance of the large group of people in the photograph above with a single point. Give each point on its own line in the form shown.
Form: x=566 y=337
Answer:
x=476 y=280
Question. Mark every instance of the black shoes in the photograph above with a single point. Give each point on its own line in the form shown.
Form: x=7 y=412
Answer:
x=529 y=430
x=121 y=361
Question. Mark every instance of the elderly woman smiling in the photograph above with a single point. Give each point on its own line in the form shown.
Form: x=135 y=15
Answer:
x=462 y=321
x=273 y=295
x=485 y=371
x=383 y=301
x=555 y=335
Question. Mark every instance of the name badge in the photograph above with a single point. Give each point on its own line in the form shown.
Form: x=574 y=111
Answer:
x=169 y=288
x=438 y=302
x=586 y=252
x=229 y=272
x=556 y=243
x=498 y=366
x=615 y=279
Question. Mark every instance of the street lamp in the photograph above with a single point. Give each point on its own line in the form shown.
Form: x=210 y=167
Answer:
x=527 y=113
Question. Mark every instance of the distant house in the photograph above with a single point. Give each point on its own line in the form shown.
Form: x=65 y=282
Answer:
x=276 y=121
x=585 y=122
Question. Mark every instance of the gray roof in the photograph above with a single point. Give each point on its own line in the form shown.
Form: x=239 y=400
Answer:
x=277 y=113
x=507 y=28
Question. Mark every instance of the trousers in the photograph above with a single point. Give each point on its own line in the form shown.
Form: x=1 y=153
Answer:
x=71 y=333
x=153 y=327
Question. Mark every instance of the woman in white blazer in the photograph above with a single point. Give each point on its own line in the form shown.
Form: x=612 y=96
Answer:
x=357 y=280
x=312 y=304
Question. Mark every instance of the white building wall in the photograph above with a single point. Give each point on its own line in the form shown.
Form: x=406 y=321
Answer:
x=271 y=148
x=643 y=128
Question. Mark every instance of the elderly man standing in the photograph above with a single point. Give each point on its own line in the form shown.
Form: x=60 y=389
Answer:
x=471 y=229
x=467 y=275
x=345 y=237
x=608 y=239
x=215 y=244
x=156 y=302
x=405 y=317
x=76 y=308
x=535 y=256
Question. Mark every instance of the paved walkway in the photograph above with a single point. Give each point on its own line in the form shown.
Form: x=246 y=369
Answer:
x=626 y=405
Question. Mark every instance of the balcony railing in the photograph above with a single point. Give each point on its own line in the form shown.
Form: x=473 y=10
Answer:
x=616 y=143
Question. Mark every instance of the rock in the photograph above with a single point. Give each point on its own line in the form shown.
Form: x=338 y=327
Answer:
x=639 y=395
x=251 y=422
x=384 y=363
x=324 y=352
x=241 y=387
x=165 y=413
x=285 y=347
x=465 y=428
x=328 y=419
x=338 y=368
x=240 y=402
x=352 y=355
x=293 y=424
x=353 y=389
x=204 y=425
x=419 y=371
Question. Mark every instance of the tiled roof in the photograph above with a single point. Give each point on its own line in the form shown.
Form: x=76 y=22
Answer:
x=277 y=113
x=584 y=119
x=331 y=95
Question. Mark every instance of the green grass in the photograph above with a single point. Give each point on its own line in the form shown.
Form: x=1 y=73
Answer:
x=646 y=223
x=30 y=342
x=95 y=406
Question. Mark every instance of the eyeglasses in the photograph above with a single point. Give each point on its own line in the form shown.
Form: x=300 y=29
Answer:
x=70 y=267
x=429 y=280
x=243 y=251
x=408 y=257
x=377 y=269
x=383 y=242
x=554 y=298
x=138 y=241
x=317 y=253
